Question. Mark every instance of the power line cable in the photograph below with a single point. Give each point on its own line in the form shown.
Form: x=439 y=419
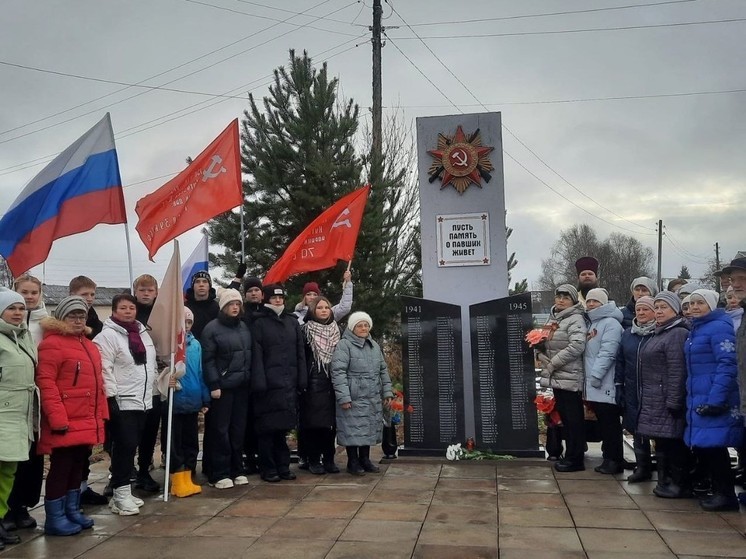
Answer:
x=325 y=19
x=207 y=67
x=239 y=12
x=704 y=258
x=133 y=130
x=159 y=74
x=530 y=150
x=682 y=254
x=578 y=100
x=551 y=14
x=566 y=31
x=534 y=175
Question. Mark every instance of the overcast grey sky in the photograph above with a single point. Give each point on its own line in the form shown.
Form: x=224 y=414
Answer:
x=662 y=154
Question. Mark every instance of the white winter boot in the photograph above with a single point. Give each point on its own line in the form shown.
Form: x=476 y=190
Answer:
x=122 y=502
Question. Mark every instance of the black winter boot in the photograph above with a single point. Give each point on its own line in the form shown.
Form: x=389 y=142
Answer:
x=642 y=470
x=365 y=462
x=353 y=462
x=680 y=485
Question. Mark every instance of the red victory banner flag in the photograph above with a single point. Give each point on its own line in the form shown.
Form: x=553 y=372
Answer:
x=331 y=237
x=210 y=186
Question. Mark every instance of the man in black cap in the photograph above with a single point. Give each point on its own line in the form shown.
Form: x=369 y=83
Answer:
x=587 y=268
x=201 y=299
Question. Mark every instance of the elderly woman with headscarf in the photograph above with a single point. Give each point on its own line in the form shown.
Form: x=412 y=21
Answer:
x=640 y=287
x=713 y=419
x=562 y=371
x=362 y=387
x=663 y=396
x=627 y=381
x=73 y=403
x=18 y=361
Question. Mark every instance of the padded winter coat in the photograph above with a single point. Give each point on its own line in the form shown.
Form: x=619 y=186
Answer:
x=71 y=386
x=628 y=313
x=226 y=353
x=627 y=376
x=18 y=393
x=711 y=365
x=193 y=394
x=360 y=377
x=663 y=382
x=317 y=403
x=562 y=359
x=599 y=358
x=129 y=383
x=279 y=371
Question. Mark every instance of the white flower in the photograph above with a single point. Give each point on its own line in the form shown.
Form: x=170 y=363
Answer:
x=454 y=452
x=727 y=346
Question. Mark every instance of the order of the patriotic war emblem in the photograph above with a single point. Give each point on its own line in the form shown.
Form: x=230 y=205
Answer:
x=460 y=160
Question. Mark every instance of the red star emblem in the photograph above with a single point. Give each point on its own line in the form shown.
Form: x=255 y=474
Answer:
x=460 y=161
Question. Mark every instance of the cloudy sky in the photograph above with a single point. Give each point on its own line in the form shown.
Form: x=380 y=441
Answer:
x=617 y=112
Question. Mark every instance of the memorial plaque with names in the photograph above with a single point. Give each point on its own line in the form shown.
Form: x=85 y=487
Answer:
x=433 y=374
x=503 y=376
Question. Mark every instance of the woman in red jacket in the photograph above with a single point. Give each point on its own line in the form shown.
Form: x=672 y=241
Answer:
x=73 y=403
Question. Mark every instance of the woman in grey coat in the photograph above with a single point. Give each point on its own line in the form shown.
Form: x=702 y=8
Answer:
x=362 y=387
x=562 y=371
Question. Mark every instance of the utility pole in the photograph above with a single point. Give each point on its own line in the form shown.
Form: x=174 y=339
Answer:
x=660 y=253
x=717 y=265
x=377 y=148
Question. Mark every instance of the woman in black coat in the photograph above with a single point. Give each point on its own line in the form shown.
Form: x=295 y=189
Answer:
x=662 y=416
x=226 y=367
x=278 y=375
x=317 y=425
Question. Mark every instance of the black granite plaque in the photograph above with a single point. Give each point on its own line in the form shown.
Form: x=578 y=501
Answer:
x=503 y=376
x=433 y=374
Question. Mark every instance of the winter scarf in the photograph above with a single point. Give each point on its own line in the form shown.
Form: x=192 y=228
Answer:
x=644 y=329
x=323 y=339
x=230 y=321
x=137 y=348
x=276 y=308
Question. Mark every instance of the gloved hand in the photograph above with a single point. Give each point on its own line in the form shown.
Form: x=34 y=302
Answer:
x=677 y=413
x=596 y=382
x=619 y=396
x=241 y=272
x=708 y=410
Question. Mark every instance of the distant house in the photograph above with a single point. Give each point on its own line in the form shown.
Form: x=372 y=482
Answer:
x=53 y=294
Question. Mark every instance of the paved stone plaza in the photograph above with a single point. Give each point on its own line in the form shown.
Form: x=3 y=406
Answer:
x=424 y=509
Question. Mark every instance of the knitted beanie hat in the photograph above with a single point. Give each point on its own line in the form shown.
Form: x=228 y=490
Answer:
x=598 y=294
x=671 y=299
x=68 y=305
x=9 y=297
x=228 y=296
x=645 y=282
x=569 y=289
x=357 y=317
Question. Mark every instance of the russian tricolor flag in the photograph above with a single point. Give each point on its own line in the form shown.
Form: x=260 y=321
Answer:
x=197 y=261
x=79 y=189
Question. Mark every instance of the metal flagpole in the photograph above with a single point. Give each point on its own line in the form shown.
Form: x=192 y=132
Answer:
x=129 y=255
x=169 y=429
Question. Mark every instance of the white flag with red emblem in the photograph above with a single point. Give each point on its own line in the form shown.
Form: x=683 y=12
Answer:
x=167 y=318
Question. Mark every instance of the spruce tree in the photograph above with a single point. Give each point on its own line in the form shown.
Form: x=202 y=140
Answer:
x=297 y=152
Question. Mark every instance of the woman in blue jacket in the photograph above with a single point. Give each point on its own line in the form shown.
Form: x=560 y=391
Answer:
x=712 y=402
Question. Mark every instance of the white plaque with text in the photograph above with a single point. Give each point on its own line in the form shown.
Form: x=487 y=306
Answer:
x=463 y=239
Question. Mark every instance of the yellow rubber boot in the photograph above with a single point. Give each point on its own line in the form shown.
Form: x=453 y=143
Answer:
x=196 y=489
x=179 y=487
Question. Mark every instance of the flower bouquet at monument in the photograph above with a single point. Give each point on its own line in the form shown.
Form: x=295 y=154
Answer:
x=458 y=452
x=545 y=403
x=538 y=336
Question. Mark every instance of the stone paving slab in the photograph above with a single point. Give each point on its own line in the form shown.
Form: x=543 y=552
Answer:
x=419 y=508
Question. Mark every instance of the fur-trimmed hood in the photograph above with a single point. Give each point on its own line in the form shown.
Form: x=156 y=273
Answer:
x=51 y=325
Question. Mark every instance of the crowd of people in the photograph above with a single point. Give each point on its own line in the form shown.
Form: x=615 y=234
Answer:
x=255 y=369
x=669 y=367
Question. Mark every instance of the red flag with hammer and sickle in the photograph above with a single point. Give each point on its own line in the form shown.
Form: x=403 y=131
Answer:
x=210 y=186
x=331 y=237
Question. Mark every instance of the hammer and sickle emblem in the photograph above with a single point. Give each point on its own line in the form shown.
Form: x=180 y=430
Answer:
x=210 y=172
x=345 y=222
x=460 y=158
